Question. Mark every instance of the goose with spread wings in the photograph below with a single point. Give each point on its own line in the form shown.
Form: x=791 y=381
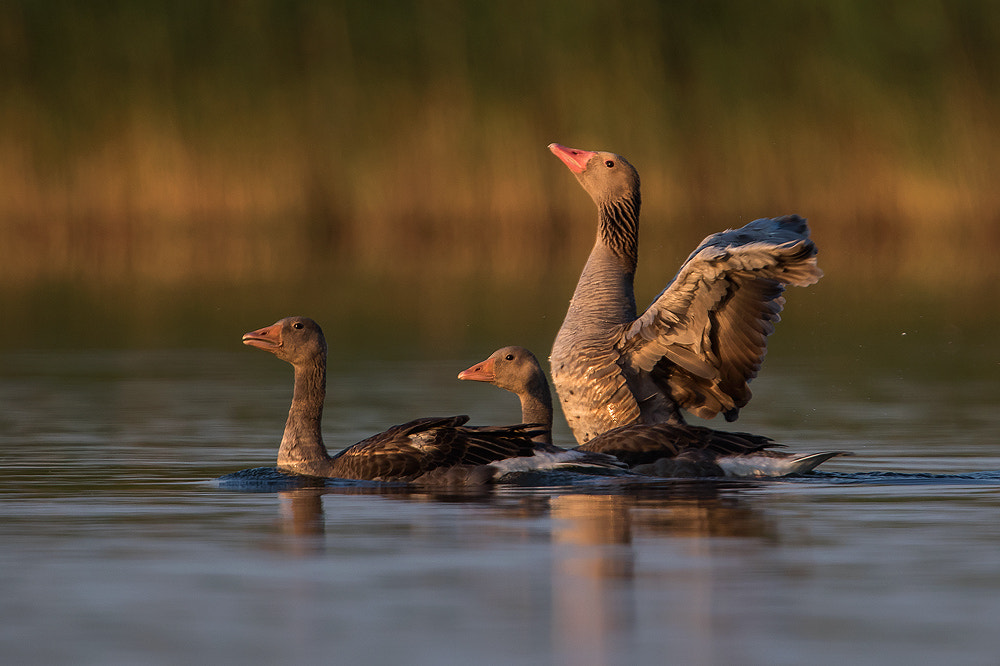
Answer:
x=702 y=340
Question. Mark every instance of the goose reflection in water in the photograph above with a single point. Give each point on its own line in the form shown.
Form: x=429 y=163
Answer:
x=596 y=574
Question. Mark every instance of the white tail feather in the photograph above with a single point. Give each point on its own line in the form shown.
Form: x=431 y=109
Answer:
x=763 y=465
x=564 y=461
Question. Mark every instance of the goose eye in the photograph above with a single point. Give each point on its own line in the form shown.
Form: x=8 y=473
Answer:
x=510 y=357
x=297 y=324
x=610 y=164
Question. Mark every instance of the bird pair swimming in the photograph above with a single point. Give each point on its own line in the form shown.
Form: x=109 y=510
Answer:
x=623 y=379
x=427 y=451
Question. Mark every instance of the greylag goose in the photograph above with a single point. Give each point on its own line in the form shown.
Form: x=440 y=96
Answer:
x=659 y=449
x=702 y=339
x=427 y=450
x=536 y=408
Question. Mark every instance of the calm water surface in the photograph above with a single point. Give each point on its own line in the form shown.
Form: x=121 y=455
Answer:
x=116 y=547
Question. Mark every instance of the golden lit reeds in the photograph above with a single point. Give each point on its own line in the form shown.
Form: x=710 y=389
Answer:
x=177 y=142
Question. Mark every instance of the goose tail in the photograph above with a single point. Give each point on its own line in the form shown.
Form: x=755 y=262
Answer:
x=770 y=464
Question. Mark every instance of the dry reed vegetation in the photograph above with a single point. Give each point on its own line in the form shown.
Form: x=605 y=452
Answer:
x=170 y=142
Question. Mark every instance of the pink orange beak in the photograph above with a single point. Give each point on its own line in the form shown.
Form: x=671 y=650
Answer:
x=575 y=159
x=480 y=372
x=268 y=338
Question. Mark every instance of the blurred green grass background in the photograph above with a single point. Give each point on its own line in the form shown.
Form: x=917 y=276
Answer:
x=162 y=161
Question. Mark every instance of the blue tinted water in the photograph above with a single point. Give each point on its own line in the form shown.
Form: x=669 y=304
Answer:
x=117 y=547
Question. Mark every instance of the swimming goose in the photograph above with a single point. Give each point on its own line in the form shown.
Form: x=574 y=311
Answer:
x=702 y=339
x=427 y=450
x=660 y=449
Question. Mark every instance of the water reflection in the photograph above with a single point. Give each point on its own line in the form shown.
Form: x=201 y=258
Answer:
x=593 y=542
x=302 y=512
x=621 y=512
x=594 y=573
x=592 y=577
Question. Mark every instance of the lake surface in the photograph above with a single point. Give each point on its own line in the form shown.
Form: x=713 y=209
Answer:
x=117 y=547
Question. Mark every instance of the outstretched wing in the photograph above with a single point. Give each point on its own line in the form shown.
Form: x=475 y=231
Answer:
x=704 y=337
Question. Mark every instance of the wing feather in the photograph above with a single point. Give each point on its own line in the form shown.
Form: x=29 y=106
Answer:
x=405 y=452
x=641 y=444
x=705 y=336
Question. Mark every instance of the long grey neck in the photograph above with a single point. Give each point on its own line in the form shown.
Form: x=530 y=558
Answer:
x=536 y=407
x=303 y=438
x=604 y=293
